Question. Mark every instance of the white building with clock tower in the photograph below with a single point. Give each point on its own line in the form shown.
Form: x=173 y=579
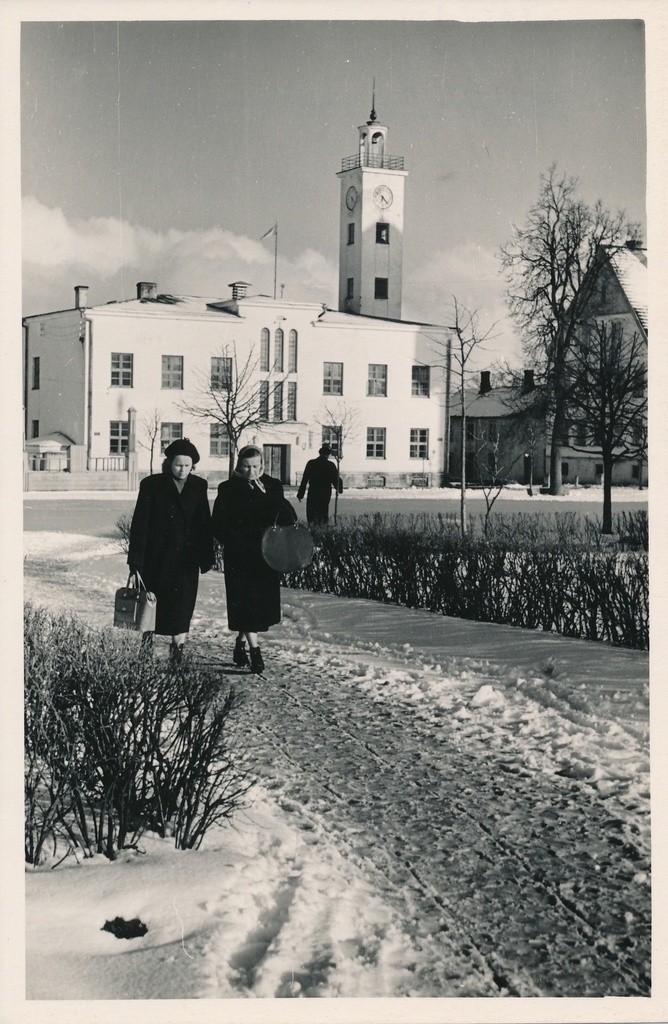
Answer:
x=371 y=226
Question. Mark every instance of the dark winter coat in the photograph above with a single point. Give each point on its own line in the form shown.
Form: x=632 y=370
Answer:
x=320 y=475
x=241 y=514
x=171 y=542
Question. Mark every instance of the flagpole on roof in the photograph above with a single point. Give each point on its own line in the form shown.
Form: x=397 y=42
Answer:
x=275 y=255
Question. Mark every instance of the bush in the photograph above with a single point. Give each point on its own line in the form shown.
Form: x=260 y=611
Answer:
x=553 y=573
x=117 y=743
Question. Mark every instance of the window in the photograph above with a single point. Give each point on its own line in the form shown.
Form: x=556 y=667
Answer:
x=380 y=288
x=292 y=352
x=580 y=431
x=492 y=432
x=332 y=436
x=292 y=400
x=420 y=381
x=375 y=442
x=278 y=401
x=419 y=443
x=35 y=373
x=564 y=471
x=35 y=428
x=350 y=285
x=470 y=430
x=377 y=380
x=264 y=400
x=172 y=372
x=278 y=350
x=121 y=369
x=351 y=234
x=264 y=349
x=221 y=373
x=219 y=442
x=382 y=234
x=169 y=432
x=332 y=379
x=616 y=332
x=118 y=437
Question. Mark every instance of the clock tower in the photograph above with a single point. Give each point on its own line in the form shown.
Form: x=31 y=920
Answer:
x=372 y=226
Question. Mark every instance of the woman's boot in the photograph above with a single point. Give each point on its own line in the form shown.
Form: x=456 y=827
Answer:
x=239 y=654
x=256 y=662
x=175 y=653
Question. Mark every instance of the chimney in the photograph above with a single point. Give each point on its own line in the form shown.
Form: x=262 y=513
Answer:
x=485 y=383
x=80 y=296
x=528 y=383
x=239 y=289
x=146 y=289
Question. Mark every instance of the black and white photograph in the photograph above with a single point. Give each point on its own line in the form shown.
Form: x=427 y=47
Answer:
x=327 y=524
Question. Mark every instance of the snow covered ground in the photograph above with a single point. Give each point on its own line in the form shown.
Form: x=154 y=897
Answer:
x=443 y=809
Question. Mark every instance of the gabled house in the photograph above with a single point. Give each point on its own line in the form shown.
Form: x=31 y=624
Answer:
x=615 y=315
x=505 y=433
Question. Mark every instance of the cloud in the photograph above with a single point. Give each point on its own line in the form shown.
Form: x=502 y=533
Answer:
x=110 y=253
x=472 y=274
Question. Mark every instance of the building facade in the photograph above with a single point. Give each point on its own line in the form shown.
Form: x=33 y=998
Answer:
x=131 y=376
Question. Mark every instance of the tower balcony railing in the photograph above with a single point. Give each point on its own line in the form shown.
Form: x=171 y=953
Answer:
x=385 y=163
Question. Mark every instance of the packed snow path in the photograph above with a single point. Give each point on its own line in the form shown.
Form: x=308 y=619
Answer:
x=511 y=882
x=489 y=786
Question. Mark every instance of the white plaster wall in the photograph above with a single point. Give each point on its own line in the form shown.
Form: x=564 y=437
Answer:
x=58 y=403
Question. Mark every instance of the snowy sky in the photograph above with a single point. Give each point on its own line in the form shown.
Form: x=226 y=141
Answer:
x=163 y=150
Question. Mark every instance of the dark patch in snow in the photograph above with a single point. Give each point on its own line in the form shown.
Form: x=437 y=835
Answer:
x=123 y=929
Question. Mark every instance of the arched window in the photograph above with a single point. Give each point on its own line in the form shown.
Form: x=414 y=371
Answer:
x=278 y=350
x=292 y=352
x=264 y=349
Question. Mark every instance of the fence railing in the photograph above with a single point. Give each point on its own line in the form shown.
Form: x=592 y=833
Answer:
x=385 y=163
x=109 y=463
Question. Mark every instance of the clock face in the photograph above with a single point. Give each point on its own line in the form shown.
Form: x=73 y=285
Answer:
x=382 y=197
x=351 y=197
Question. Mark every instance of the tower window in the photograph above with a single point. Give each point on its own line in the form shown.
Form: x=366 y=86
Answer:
x=380 y=289
x=349 y=287
x=35 y=373
x=382 y=234
x=351 y=234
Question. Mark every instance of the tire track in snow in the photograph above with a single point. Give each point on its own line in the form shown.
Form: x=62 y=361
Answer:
x=384 y=785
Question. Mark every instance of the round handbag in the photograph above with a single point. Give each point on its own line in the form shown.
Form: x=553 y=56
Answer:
x=287 y=548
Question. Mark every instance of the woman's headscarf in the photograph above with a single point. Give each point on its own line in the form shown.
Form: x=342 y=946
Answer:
x=250 y=451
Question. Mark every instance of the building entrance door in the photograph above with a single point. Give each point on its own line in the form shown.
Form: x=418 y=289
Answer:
x=277 y=461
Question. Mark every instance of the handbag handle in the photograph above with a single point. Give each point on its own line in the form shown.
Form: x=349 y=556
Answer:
x=283 y=508
x=140 y=583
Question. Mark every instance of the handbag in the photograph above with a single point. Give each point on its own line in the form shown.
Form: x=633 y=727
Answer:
x=135 y=606
x=287 y=548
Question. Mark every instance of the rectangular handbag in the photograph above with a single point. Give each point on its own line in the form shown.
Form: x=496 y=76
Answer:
x=135 y=606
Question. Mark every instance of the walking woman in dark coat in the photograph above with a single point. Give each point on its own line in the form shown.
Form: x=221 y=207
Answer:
x=171 y=540
x=246 y=505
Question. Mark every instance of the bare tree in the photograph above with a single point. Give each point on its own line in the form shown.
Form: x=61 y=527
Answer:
x=552 y=266
x=608 y=399
x=150 y=424
x=342 y=420
x=233 y=396
x=468 y=337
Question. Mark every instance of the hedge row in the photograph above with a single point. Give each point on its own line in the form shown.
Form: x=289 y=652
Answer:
x=556 y=574
x=117 y=743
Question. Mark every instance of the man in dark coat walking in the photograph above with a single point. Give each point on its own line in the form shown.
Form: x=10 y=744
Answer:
x=320 y=476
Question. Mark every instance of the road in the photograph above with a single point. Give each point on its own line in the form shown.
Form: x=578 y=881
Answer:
x=97 y=517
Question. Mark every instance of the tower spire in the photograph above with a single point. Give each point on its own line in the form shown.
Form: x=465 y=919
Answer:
x=373 y=102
